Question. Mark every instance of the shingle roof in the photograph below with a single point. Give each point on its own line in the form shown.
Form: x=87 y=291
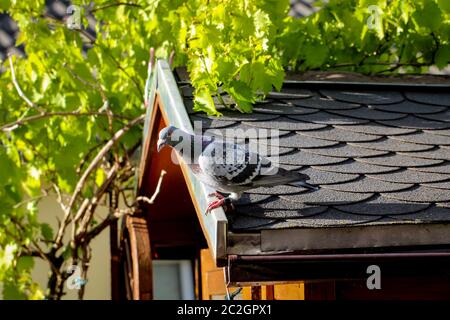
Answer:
x=380 y=156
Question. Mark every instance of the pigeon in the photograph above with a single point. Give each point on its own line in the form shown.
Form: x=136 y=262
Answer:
x=227 y=167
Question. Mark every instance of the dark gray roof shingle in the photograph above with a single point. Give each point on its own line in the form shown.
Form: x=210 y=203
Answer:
x=441 y=116
x=321 y=177
x=336 y=134
x=301 y=141
x=439 y=153
x=367 y=113
x=380 y=206
x=329 y=218
x=327 y=197
x=440 y=168
x=283 y=123
x=444 y=132
x=347 y=151
x=413 y=122
x=308 y=159
x=282 y=108
x=439 y=185
x=324 y=103
x=441 y=99
x=357 y=167
x=367 y=184
x=399 y=160
x=392 y=145
x=291 y=93
x=431 y=214
x=233 y=116
x=365 y=97
x=323 y=117
x=410 y=107
x=410 y=176
x=424 y=138
x=421 y=194
x=377 y=129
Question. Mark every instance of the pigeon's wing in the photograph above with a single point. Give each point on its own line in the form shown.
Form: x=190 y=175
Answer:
x=234 y=165
x=229 y=164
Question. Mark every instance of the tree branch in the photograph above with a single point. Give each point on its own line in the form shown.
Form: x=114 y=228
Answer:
x=38 y=249
x=157 y=190
x=86 y=157
x=105 y=223
x=29 y=251
x=26 y=201
x=14 y=125
x=116 y=4
x=91 y=204
x=88 y=171
x=18 y=89
x=119 y=66
x=95 y=86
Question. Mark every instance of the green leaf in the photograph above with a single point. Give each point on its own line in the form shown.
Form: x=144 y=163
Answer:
x=67 y=253
x=242 y=94
x=11 y=292
x=99 y=176
x=444 y=5
x=4 y=5
x=225 y=67
x=428 y=16
x=276 y=73
x=25 y=264
x=315 y=55
x=443 y=56
x=47 y=231
x=204 y=102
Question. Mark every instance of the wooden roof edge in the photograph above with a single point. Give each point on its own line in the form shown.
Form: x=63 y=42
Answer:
x=215 y=224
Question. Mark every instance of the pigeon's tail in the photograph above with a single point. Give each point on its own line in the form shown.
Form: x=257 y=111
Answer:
x=283 y=176
x=299 y=179
x=305 y=185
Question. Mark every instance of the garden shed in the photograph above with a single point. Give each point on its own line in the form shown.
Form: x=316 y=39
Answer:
x=380 y=152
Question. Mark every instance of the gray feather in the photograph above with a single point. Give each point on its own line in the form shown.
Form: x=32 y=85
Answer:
x=233 y=168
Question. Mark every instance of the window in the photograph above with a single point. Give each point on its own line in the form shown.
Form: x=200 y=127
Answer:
x=173 y=279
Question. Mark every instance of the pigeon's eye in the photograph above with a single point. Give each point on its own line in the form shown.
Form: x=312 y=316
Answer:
x=169 y=133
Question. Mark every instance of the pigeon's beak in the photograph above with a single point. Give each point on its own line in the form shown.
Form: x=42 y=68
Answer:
x=160 y=144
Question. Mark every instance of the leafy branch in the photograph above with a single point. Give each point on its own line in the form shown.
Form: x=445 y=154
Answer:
x=82 y=181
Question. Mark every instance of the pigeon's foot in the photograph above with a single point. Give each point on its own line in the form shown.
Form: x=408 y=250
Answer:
x=215 y=204
x=216 y=194
x=221 y=201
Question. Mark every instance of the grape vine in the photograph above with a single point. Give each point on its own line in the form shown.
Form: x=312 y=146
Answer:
x=244 y=47
x=63 y=107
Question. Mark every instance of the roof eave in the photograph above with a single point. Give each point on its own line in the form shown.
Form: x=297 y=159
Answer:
x=215 y=224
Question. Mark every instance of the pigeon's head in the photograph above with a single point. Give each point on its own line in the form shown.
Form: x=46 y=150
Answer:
x=168 y=136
